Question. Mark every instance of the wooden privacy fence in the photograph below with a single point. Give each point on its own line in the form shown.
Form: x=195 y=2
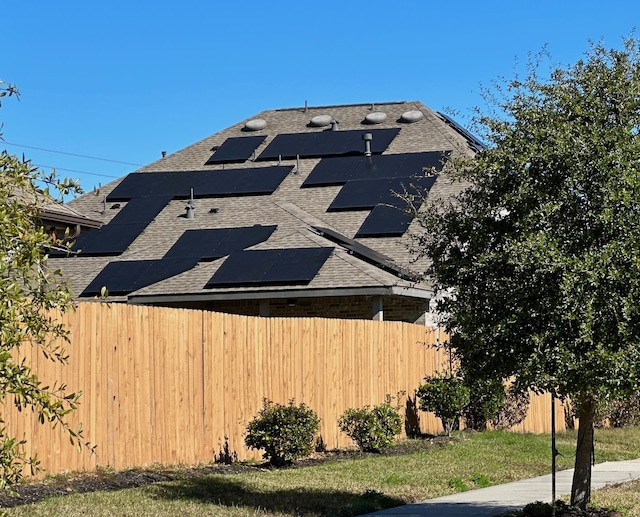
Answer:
x=167 y=386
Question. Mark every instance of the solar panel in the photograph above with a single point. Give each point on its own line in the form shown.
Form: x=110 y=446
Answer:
x=339 y=170
x=140 y=210
x=415 y=163
x=292 y=266
x=332 y=171
x=135 y=185
x=124 y=277
x=235 y=150
x=385 y=221
x=118 y=277
x=210 y=244
x=111 y=239
x=360 y=195
x=327 y=143
x=241 y=182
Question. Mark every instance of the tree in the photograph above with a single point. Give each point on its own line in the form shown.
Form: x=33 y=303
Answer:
x=540 y=251
x=29 y=292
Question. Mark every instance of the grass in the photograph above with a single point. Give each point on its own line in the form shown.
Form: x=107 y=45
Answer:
x=354 y=486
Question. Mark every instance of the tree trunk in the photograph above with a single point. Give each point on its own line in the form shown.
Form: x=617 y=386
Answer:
x=581 y=488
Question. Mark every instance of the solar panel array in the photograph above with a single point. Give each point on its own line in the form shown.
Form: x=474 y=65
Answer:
x=124 y=277
x=368 y=183
x=211 y=183
x=327 y=143
x=376 y=183
x=211 y=244
x=287 y=266
x=235 y=150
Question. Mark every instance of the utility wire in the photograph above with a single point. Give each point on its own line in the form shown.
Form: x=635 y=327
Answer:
x=72 y=154
x=73 y=170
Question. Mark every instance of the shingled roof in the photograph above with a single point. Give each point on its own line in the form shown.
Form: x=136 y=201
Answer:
x=286 y=204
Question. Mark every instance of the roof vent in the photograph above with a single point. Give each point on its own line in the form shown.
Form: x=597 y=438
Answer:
x=321 y=120
x=411 y=116
x=334 y=125
x=367 y=137
x=376 y=117
x=255 y=124
x=190 y=208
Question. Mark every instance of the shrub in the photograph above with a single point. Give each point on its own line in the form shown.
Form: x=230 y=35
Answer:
x=446 y=396
x=619 y=412
x=487 y=398
x=285 y=432
x=373 y=429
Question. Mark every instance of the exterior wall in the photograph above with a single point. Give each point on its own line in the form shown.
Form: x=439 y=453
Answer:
x=396 y=308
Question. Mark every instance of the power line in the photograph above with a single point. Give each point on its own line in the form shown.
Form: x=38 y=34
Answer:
x=72 y=154
x=73 y=170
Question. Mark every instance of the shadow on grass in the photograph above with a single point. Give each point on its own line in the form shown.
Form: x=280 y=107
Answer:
x=297 y=502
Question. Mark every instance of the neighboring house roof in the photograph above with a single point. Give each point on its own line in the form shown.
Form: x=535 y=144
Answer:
x=52 y=211
x=284 y=206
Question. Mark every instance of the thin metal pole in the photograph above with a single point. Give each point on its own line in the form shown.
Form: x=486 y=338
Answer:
x=553 y=455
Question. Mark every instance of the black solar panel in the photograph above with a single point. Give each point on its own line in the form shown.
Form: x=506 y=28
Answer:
x=332 y=171
x=360 y=195
x=415 y=163
x=136 y=185
x=140 y=210
x=235 y=150
x=327 y=143
x=240 y=182
x=385 y=221
x=111 y=239
x=210 y=244
x=293 y=266
x=339 y=170
x=124 y=277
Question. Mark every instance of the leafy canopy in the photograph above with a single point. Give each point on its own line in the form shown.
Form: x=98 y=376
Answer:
x=542 y=249
x=540 y=253
x=29 y=294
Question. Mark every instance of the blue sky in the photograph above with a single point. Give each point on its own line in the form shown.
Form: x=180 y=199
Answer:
x=126 y=80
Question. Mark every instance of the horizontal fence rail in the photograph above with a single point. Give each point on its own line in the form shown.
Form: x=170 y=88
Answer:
x=169 y=386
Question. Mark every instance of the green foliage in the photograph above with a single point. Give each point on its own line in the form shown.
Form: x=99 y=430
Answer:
x=541 y=248
x=458 y=484
x=446 y=396
x=486 y=399
x=29 y=293
x=285 y=432
x=372 y=428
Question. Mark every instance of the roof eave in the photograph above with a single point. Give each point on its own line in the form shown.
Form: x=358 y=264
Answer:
x=410 y=292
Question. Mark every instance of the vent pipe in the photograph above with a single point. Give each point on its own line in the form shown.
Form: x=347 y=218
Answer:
x=367 y=137
x=334 y=125
x=190 y=208
x=305 y=106
x=164 y=153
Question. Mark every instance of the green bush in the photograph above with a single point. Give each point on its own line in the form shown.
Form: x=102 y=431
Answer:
x=487 y=397
x=373 y=429
x=285 y=432
x=446 y=396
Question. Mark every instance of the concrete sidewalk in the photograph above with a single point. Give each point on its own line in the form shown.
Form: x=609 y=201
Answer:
x=487 y=502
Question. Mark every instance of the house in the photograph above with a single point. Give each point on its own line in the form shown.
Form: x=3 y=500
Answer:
x=292 y=212
x=60 y=221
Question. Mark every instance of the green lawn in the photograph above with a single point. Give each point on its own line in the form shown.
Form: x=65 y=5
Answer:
x=350 y=486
